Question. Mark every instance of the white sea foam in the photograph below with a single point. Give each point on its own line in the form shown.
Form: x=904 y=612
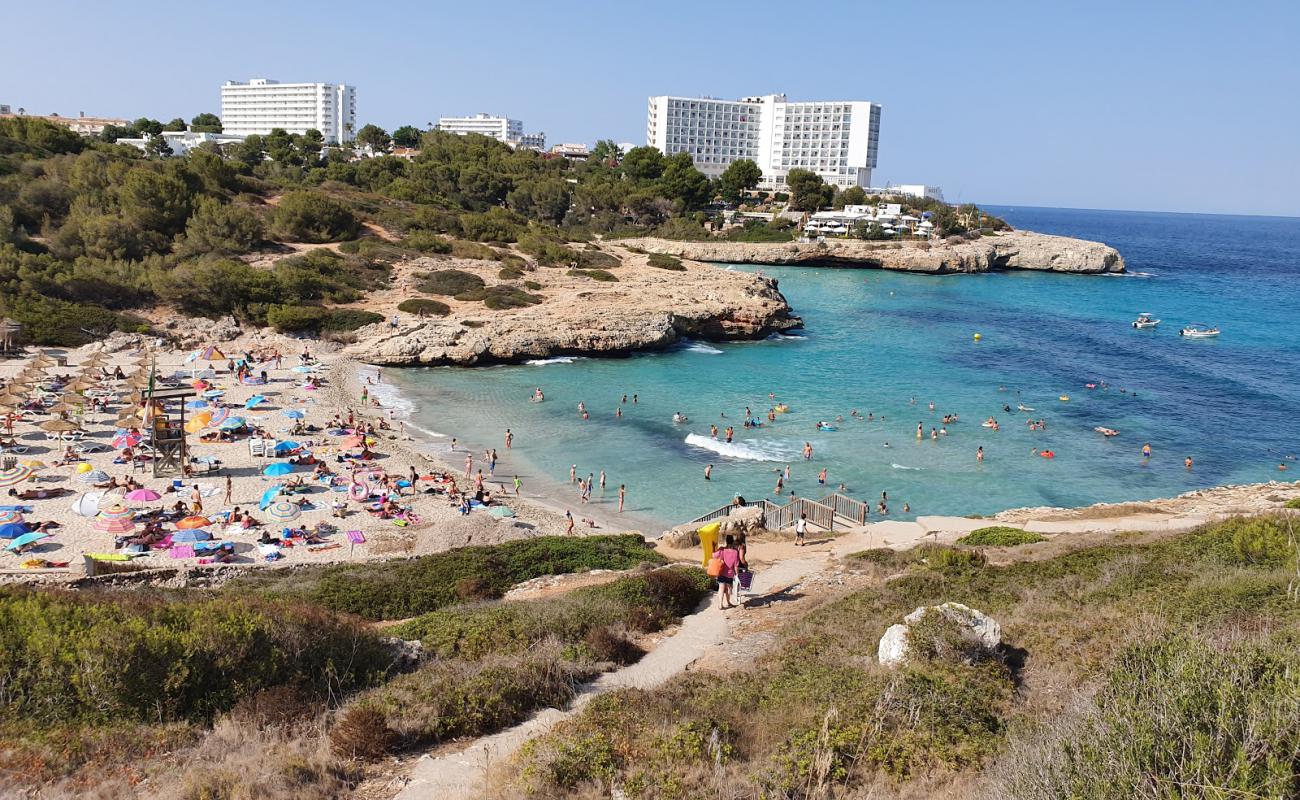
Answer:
x=742 y=451
x=700 y=347
x=391 y=398
x=910 y=469
x=541 y=362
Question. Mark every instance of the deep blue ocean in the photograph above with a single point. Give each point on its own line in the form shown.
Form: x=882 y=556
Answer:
x=877 y=341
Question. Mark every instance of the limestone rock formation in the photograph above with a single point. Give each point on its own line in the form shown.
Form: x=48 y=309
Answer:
x=646 y=309
x=1009 y=250
x=975 y=626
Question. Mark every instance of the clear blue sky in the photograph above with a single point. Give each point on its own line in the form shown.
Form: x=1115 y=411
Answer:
x=1161 y=105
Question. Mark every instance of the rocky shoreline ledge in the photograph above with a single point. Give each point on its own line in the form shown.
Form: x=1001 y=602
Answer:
x=647 y=308
x=1012 y=250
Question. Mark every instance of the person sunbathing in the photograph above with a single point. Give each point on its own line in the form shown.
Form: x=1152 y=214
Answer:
x=39 y=494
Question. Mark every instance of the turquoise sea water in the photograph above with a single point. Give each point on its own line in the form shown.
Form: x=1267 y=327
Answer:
x=875 y=340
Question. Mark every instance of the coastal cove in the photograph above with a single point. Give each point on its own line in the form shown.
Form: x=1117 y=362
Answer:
x=874 y=340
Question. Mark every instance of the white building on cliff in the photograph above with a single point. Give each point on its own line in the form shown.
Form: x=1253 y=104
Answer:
x=836 y=139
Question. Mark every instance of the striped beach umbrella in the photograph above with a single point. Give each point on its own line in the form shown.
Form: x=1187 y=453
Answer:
x=8 y=517
x=116 y=511
x=219 y=416
x=116 y=527
x=232 y=423
x=94 y=476
x=284 y=511
x=12 y=476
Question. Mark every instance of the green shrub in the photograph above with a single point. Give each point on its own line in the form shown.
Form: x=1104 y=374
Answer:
x=100 y=657
x=1294 y=502
x=501 y=297
x=306 y=216
x=532 y=285
x=48 y=321
x=594 y=274
x=595 y=259
x=545 y=245
x=1204 y=720
x=646 y=603
x=349 y=319
x=426 y=242
x=495 y=225
x=780 y=230
x=422 y=307
x=665 y=261
x=450 y=699
x=510 y=274
x=463 y=249
x=471 y=323
x=1261 y=540
x=295 y=319
x=449 y=282
x=351 y=248
x=1000 y=536
x=397 y=590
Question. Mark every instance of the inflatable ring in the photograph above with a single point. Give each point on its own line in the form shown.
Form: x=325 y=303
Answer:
x=1047 y=454
x=359 y=492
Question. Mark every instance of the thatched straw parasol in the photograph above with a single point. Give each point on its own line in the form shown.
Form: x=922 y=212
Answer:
x=59 y=426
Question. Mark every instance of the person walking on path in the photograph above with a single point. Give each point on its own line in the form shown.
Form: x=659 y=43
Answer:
x=730 y=558
x=230 y=490
x=800 y=528
x=622 y=496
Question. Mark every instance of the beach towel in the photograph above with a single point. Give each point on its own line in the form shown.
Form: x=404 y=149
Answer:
x=182 y=551
x=356 y=537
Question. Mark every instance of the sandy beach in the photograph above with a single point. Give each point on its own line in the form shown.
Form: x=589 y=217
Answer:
x=440 y=526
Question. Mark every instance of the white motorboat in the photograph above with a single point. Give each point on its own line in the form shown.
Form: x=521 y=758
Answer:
x=1199 y=330
x=1145 y=321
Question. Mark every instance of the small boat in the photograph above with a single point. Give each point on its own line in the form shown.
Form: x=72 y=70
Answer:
x=1145 y=321
x=1199 y=330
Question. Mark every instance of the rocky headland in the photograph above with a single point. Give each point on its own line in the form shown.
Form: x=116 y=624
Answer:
x=646 y=308
x=1011 y=250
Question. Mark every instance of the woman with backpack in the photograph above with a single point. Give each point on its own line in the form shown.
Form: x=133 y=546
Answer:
x=723 y=566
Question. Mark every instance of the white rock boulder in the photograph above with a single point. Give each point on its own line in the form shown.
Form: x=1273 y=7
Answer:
x=975 y=625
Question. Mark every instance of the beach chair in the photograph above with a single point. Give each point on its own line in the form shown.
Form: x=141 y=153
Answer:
x=9 y=462
x=257 y=447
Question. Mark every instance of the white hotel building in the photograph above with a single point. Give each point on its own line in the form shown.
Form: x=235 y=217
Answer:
x=837 y=139
x=260 y=105
x=503 y=129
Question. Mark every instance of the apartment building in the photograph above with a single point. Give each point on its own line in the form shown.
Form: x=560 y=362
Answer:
x=503 y=129
x=258 y=106
x=837 y=139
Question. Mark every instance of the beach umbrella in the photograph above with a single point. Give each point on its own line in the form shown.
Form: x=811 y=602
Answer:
x=275 y=470
x=81 y=385
x=232 y=423
x=73 y=398
x=63 y=408
x=35 y=464
x=126 y=440
x=191 y=535
x=255 y=400
x=197 y=404
x=293 y=413
x=116 y=511
x=87 y=505
x=284 y=511
x=143 y=496
x=116 y=527
x=12 y=530
x=59 y=426
x=269 y=496
x=11 y=399
x=83 y=468
x=10 y=517
x=192 y=522
x=26 y=539
x=93 y=476
x=211 y=353
x=12 y=476
x=211 y=393
x=219 y=416
x=286 y=446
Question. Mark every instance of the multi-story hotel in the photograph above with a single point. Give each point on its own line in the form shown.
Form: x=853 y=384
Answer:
x=260 y=105
x=503 y=129
x=837 y=139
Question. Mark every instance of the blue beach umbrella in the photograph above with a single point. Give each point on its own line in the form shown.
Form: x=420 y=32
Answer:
x=13 y=530
x=278 y=469
x=214 y=393
x=25 y=539
x=293 y=413
x=232 y=423
x=255 y=400
x=286 y=446
x=269 y=496
x=190 y=536
x=197 y=404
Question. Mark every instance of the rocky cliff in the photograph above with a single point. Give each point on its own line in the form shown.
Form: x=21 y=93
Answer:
x=1011 y=250
x=647 y=308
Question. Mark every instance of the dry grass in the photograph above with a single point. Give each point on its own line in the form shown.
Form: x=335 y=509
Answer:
x=1104 y=512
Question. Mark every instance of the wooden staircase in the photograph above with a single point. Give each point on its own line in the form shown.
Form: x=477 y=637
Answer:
x=825 y=513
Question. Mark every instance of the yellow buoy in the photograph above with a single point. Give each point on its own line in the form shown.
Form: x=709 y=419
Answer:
x=978 y=336
x=1065 y=398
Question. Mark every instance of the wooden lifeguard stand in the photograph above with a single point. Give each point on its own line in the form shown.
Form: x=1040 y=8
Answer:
x=167 y=430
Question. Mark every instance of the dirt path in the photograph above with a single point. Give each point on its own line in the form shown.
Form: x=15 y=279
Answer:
x=460 y=774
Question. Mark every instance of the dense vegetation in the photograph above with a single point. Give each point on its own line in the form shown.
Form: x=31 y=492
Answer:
x=1190 y=643
x=401 y=589
x=94 y=233
x=1000 y=536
